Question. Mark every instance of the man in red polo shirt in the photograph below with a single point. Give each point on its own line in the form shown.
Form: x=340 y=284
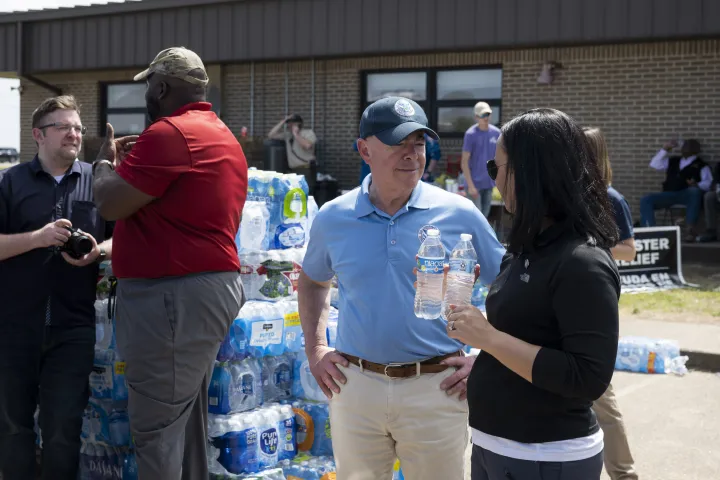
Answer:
x=177 y=198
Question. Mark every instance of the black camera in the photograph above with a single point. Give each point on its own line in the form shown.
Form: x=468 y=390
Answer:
x=78 y=245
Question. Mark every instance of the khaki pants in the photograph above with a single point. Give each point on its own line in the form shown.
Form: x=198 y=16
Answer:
x=376 y=419
x=619 y=462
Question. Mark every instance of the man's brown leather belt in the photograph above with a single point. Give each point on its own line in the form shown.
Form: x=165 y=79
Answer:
x=403 y=370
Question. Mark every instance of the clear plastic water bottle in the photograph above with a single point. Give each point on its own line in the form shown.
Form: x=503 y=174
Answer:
x=461 y=277
x=130 y=468
x=431 y=259
x=254 y=225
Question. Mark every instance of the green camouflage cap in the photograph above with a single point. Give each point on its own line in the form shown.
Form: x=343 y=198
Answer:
x=176 y=62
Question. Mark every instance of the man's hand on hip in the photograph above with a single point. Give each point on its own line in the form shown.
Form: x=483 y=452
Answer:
x=323 y=362
x=457 y=382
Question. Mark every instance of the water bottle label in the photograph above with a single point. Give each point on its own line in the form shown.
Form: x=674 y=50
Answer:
x=292 y=236
x=430 y=265
x=120 y=368
x=329 y=476
x=266 y=333
x=269 y=441
x=292 y=319
x=247 y=384
x=461 y=265
x=282 y=376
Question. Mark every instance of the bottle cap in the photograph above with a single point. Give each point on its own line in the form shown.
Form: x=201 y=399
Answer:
x=465 y=237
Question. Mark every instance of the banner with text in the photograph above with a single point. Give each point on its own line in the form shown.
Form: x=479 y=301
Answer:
x=657 y=264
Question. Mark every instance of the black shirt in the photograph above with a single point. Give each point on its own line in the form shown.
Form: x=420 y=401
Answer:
x=563 y=297
x=39 y=287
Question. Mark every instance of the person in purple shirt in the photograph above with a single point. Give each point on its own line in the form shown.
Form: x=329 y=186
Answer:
x=478 y=148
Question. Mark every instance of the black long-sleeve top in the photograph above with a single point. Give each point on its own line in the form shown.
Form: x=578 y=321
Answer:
x=562 y=296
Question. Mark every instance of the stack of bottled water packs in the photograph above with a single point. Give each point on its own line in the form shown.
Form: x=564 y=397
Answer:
x=275 y=216
x=106 y=451
x=647 y=355
x=264 y=404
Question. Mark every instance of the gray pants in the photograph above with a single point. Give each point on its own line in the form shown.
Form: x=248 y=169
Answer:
x=169 y=332
x=484 y=201
x=619 y=461
x=487 y=465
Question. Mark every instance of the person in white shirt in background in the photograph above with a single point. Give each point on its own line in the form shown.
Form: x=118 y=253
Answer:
x=687 y=179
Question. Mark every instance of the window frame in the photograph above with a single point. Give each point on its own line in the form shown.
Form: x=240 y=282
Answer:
x=432 y=104
x=105 y=110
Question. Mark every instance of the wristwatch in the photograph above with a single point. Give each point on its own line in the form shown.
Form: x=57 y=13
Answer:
x=98 y=162
x=103 y=255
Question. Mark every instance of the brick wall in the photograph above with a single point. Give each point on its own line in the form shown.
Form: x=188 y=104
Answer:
x=640 y=95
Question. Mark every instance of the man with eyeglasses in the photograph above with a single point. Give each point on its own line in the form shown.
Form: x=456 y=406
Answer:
x=47 y=295
x=479 y=147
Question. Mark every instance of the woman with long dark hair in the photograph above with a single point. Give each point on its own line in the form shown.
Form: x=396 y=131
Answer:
x=549 y=341
x=619 y=462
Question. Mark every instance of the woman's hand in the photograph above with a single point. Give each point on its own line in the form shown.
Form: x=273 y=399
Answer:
x=468 y=324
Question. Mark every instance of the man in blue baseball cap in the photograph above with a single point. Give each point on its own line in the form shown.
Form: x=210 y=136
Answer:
x=396 y=383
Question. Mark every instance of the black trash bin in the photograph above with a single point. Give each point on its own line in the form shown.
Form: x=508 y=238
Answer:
x=325 y=191
x=275 y=158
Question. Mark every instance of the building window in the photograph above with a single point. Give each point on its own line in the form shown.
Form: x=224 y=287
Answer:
x=447 y=95
x=124 y=108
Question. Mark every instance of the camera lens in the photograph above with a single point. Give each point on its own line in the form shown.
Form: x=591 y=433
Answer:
x=83 y=245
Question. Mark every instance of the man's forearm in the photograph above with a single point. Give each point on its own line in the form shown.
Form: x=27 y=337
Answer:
x=465 y=167
x=304 y=143
x=107 y=246
x=16 y=244
x=276 y=129
x=314 y=308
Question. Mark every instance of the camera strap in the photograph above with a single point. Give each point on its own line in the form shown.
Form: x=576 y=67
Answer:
x=112 y=298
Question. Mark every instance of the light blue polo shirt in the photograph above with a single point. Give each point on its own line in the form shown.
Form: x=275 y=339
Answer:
x=373 y=256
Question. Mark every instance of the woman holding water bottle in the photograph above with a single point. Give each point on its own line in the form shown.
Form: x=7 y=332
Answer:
x=549 y=340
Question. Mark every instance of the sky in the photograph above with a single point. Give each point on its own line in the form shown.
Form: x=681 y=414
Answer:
x=10 y=99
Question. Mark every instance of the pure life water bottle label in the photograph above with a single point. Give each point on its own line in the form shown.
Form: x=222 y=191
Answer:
x=430 y=265
x=461 y=265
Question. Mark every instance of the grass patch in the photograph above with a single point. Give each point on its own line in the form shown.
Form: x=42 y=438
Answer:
x=689 y=303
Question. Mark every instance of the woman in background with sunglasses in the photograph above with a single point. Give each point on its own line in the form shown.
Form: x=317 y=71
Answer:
x=550 y=338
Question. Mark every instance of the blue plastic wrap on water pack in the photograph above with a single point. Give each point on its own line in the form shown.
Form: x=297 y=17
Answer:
x=305 y=467
x=271 y=275
x=646 y=355
x=312 y=421
x=293 y=337
x=253 y=441
x=235 y=387
x=258 y=331
x=277 y=373
x=288 y=218
x=100 y=462
x=285 y=197
x=304 y=385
